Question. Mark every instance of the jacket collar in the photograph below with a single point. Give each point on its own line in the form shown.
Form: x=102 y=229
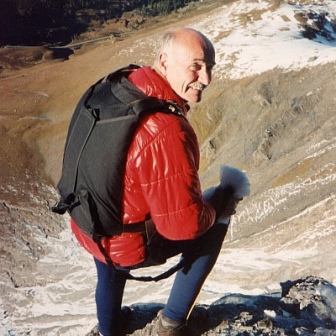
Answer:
x=152 y=84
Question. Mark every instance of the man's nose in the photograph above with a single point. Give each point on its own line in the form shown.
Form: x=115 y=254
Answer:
x=205 y=77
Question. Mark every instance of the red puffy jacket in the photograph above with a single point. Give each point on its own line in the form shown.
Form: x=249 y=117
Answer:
x=161 y=179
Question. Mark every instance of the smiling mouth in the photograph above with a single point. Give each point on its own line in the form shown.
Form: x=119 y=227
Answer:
x=197 y=86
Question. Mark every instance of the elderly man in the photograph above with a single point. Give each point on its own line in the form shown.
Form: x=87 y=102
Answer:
x=161 y=182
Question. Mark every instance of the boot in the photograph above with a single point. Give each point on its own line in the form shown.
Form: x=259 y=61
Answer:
x=196 y=325
x=166 y=327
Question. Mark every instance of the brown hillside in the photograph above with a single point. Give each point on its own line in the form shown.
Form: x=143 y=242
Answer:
x=278 y=126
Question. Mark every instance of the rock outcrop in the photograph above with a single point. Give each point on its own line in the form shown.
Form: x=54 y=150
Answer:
x=305 y=307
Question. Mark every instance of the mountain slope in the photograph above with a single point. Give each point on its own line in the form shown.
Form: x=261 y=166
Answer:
x=270 y=111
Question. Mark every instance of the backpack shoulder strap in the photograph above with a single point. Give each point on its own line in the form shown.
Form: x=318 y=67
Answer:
x=151 y=104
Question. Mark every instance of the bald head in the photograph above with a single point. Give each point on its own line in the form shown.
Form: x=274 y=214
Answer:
x=186 y=58
x=180 y=36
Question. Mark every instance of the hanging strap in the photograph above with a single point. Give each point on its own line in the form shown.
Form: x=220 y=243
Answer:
x=98 y=240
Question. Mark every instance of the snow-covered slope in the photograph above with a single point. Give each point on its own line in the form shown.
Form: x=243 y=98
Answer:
x=255 y=36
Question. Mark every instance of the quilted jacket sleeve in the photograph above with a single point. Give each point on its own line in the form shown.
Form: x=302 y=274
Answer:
x=165 y=161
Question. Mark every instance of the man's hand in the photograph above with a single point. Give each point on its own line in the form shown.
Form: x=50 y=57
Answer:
x=230 y=207
x=223 y=201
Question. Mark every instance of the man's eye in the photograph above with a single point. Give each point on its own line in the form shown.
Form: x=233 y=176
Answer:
x=196 y=67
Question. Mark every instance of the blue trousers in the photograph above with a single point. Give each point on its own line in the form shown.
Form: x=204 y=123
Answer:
x=199 y=256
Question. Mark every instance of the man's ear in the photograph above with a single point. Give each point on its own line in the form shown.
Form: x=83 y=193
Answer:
x=163 y=58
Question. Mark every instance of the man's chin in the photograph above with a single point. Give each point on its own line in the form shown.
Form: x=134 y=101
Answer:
x=194 y=96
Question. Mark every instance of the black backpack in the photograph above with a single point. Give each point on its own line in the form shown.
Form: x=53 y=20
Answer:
x=99 y=136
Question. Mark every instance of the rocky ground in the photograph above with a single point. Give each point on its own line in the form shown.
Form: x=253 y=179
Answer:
x=305 y=307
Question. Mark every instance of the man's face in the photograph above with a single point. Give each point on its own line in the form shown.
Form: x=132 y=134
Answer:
x=188 y=68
